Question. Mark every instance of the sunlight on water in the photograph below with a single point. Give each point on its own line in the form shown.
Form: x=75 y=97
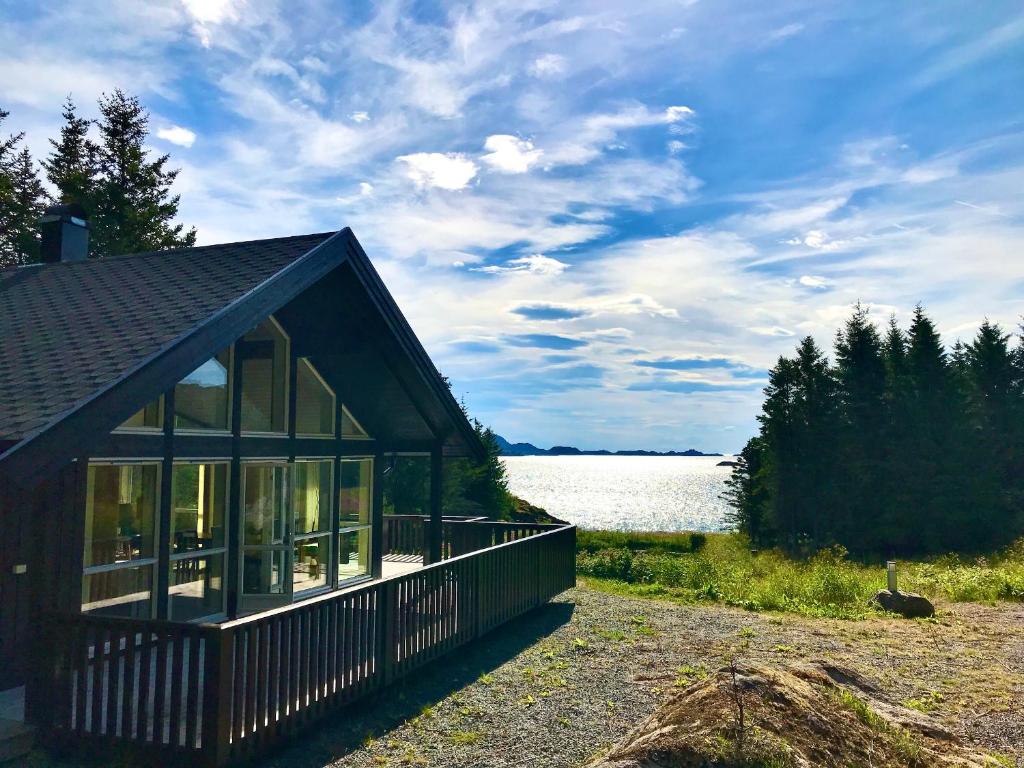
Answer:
x=626 y=493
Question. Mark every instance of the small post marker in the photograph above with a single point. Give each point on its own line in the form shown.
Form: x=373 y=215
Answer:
x=890 y=568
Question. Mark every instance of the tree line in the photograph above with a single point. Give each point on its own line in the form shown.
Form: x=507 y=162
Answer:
x=125 y=191
x=899 y=446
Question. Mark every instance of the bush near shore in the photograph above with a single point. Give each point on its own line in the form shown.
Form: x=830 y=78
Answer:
x=720 y=567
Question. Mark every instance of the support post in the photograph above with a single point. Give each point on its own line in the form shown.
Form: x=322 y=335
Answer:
x=433 y=548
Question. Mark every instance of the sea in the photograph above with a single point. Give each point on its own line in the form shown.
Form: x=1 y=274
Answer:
x=625 y=493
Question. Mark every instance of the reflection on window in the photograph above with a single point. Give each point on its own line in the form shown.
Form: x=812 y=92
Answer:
x=350 y=427
x=264 y=353
x=356 y=492
x=196 y=587
x=353 y=554
x=407 y=486
x=311 y=505
x=150 y=417
x=199 y=495
x=355 y=505
x=263 y=572
x=120 y=524
x=201 y=398
x=264 y=504
x=314 y=404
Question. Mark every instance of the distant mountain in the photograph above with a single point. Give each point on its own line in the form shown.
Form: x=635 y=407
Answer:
x=529 y=449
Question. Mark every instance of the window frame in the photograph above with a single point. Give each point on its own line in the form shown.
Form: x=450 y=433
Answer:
x=331 y=535
x=121 y=429
x=228 y=432
x=152 y=562
x=199 y=553
x=340 y=583
x=286 y=396
x=300 y=361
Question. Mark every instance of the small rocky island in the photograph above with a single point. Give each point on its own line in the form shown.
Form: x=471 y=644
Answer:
x=529 y=449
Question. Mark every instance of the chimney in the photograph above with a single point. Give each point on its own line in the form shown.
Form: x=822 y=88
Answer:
x=65 y=233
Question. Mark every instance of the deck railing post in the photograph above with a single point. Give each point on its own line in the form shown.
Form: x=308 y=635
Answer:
x=388 y=639
x=217 y=693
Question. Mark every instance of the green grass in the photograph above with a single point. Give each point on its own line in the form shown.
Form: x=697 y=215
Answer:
x=595 y=541
x=722 y=569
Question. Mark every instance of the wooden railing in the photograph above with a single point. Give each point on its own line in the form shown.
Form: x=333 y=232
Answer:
x=211 y=694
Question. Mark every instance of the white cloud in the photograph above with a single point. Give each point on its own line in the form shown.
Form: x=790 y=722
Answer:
x=786 y=31
x=208 y=13
x=814 y=281
x=675 y=147
x=773 y=330
x=365 y=188
x=598 y=132
x=510 y=154
x=359 y=117
x=548 y=65
x=175 y=134
x=445 y=170
x=535 y=264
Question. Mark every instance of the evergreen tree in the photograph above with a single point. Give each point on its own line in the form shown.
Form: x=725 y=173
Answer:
x=900 y=448
x=860 y=372
x=134 y=209
x=22 y=201
x=72 y=165
x=993 y=411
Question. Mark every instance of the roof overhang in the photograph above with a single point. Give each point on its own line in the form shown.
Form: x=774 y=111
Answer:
x=72 y=433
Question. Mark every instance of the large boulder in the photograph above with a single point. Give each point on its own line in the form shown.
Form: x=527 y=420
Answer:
x=907 y=604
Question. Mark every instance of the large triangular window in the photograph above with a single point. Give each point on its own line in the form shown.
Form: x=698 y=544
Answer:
x=314 y=405
x=351 y=428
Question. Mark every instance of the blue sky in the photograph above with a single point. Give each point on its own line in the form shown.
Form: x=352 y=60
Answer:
x=605 y=220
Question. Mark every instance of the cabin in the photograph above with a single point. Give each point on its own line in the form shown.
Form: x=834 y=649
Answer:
x=194 y=444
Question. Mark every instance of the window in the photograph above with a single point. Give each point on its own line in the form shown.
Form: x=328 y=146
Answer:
x=120 y=539
x=311 y=506
x=199 y=494
x=264 y=538
x=354 y=518
x=350 y=428
x=264 y=355
x=314 y=409
x=201 y=398
x=149 y=418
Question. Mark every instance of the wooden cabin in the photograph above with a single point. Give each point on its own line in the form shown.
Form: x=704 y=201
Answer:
x=193 y=443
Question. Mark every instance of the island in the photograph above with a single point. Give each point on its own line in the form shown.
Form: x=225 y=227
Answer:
x=529 y=449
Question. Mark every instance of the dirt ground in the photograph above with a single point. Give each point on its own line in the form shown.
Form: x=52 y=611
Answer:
x=559 y=686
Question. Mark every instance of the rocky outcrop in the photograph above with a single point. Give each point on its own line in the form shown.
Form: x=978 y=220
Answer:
x=907 y=604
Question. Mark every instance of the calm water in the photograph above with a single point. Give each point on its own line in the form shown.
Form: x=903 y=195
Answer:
x=626 y=493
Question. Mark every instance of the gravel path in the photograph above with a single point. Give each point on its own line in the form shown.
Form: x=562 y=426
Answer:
x=560 y=685
x=563 y=683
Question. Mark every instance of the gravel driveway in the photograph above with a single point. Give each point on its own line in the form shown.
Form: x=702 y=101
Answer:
x=560 y=685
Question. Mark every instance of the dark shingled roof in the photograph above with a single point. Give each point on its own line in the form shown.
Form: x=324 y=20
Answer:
x=67 y=330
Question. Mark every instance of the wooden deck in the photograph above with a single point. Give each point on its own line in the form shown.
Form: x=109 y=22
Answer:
x=215 y=693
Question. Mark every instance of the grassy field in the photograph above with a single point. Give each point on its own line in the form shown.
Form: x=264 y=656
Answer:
x=719 y=567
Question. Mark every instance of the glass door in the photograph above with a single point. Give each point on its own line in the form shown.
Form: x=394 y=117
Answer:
x=266 y=555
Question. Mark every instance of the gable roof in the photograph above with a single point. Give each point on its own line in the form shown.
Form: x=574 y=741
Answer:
x=73 y=334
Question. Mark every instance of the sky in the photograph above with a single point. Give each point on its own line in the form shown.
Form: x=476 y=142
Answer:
x=604 y=220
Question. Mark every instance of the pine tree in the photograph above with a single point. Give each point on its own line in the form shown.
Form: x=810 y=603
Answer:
x=134 y=209
x=22 y=201
x=72 y=164
x=746 y=493
x=860 y=371
x=993 y=413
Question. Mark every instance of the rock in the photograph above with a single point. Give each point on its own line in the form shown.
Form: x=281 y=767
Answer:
x=727 y=464
x=907 y=604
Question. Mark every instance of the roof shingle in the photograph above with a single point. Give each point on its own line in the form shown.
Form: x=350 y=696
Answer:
x=67 y=330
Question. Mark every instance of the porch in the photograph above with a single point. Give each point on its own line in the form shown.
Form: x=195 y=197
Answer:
x=215 y=693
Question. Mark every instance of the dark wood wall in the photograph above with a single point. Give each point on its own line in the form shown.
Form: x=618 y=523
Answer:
x=40 y=562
